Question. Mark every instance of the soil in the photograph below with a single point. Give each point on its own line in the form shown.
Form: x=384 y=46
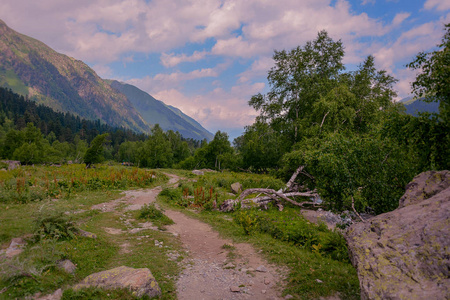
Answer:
x=216 y=268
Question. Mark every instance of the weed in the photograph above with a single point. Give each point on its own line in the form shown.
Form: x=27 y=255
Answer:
x=53 y=225
x=150 y=212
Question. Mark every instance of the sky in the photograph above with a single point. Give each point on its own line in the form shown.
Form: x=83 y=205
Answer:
x=208 y=57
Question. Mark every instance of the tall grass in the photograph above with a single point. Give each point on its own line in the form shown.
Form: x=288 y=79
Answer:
x=30 y=183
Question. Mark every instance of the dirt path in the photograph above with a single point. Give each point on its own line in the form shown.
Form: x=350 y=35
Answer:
x=216 y=269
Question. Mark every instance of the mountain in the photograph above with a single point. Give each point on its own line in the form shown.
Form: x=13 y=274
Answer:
x=157 y=112
x=32 y=69
x=414 y=106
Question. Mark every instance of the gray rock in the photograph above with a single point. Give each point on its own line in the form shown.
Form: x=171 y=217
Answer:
x=229 y=266
x=140 y=281
x=288 y=297
x=261 y=269
x=87 y=234
x=236 y=188
x=198 y=172
x=15 y=247
x=403 y=254
x=424 y=186
x=57 y=295
x=67 y=266
x=235 y=289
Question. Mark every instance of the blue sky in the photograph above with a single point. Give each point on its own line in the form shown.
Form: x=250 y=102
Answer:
x=208 y=57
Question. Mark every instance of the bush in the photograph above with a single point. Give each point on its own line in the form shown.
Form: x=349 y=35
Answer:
x=53 y=225
x=335 y=246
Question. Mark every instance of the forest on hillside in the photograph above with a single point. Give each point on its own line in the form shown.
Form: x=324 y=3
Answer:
x=356 y=145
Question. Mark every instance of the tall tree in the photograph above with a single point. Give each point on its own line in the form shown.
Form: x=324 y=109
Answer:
x=433 y=82
x=300 y=77
x=94 y=152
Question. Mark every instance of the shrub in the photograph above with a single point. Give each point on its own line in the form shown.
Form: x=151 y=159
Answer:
x=335 y=246
x=53 y=225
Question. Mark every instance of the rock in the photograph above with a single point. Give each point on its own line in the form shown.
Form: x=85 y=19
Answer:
x=229 y=266
x=87 y=234
x=424 y=186
x=235 y=289
x=319 y=281
x=236 y=188
x=12 y=164
x=198 y=172
x=55 y=296
x=266 y=281
x=263 y=291
x=404 y=254
x=140 y=281
x=288 y=297
x=15 y=247
x=67 y=266
x=261 y=269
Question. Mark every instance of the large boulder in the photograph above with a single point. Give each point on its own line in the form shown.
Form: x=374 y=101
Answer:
x=405 y=254
x=424 y=186
x=140 y=281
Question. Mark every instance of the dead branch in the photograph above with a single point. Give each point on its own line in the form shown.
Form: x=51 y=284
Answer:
x=353 y=207
x=293 y=177
x=323 y=120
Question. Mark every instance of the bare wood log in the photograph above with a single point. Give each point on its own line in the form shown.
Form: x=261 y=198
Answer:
x=271 y=195
x=293 y=177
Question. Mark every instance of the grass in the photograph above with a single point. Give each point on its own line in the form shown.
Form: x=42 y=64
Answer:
x=158 y=218
x=35 y=270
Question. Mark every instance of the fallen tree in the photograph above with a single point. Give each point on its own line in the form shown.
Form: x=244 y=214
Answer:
x=269 y=195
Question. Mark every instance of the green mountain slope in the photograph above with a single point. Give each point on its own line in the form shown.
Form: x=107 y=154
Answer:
x=156 y=112
x=31 y=68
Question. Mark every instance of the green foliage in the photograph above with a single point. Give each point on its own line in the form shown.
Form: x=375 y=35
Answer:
x=218 y=155
x=335 y=246
x=290 y=226
x=150 y=212
x=94 y=152
x=50 y=224
x=369 y=169
x=433 y=81
x=259 y=147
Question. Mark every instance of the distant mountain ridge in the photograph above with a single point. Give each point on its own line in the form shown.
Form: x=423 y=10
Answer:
x=415 y=106
x=157 y=112
x=31 y=68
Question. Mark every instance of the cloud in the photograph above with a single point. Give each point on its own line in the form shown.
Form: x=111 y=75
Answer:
x=441 y=5
x=399 y=18
x=365 y=2
x=409 y=43
x=171 y=60
x=259 y=67
x=217 y=109
x=102 y=31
